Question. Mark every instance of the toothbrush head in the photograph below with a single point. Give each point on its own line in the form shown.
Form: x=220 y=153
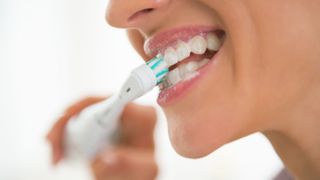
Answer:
x=144 y=78
x=159 y=67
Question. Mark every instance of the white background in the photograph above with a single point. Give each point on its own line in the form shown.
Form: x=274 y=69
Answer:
x=53 y=52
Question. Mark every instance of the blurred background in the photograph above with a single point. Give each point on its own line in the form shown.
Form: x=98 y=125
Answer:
x=54 y=52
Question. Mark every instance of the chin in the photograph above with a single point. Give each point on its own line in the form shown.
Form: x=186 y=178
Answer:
x=197 y=137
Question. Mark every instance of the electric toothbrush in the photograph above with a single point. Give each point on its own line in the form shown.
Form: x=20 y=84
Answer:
x=94 y=128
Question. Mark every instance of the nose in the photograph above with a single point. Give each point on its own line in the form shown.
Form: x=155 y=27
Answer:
x=132 y=13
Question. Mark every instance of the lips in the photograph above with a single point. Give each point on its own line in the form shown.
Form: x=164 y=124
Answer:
x=188 y=51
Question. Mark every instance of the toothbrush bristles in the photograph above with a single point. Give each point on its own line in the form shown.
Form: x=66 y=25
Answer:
x=159 y=67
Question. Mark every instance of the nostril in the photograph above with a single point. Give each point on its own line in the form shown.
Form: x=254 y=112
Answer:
x=147 y=10
x=140 y=13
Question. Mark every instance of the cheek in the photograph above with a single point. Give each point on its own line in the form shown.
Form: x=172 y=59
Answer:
x=287 y=66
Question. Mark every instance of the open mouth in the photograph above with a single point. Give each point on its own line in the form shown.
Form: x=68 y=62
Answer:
x=186 y=58
x=186 y=51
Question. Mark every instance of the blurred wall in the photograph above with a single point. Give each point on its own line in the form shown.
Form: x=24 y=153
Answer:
x=53 y=52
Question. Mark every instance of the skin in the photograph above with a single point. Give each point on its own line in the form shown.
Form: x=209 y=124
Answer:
x=266 y=78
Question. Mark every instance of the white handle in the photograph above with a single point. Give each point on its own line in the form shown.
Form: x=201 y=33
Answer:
x=95 y=126
x=93 y=129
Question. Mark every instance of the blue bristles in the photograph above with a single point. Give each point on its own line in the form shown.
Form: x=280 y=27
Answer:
x=159 y=67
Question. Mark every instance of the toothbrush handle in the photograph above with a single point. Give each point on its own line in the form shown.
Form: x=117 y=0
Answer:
x=94 y=127
x=92 y=130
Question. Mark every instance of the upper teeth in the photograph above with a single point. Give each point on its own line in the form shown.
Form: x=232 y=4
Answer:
x=196 y=45
x=170 y=56
x=183 y=50
x=213 y=42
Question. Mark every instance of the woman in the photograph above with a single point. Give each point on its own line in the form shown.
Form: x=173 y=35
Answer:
x=257 y=70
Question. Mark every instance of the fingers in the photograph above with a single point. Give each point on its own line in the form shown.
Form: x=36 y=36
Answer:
x=55 y=139
x=137 y=125
x=125 y=164
x=55 y=136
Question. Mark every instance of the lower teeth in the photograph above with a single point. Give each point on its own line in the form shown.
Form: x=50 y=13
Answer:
x=183 y=72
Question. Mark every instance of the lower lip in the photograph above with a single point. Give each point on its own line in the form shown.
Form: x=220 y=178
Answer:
x=174 y=93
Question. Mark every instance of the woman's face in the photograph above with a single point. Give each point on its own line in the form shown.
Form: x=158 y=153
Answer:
x=266 y=64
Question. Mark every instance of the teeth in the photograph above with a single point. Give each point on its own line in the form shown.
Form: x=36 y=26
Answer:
x=183 y=50
x=191 y=66
x=183 y=72
x=213 y=42
x=186 y=69
x=191 y=75
x=204 y=62
x=174 y=76
x=170 y=56
x=198 y=45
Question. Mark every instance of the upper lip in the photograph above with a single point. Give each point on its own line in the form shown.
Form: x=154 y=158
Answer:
x=158 y=42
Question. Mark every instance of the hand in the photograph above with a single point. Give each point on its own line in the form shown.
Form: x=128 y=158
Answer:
x=132 y=158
